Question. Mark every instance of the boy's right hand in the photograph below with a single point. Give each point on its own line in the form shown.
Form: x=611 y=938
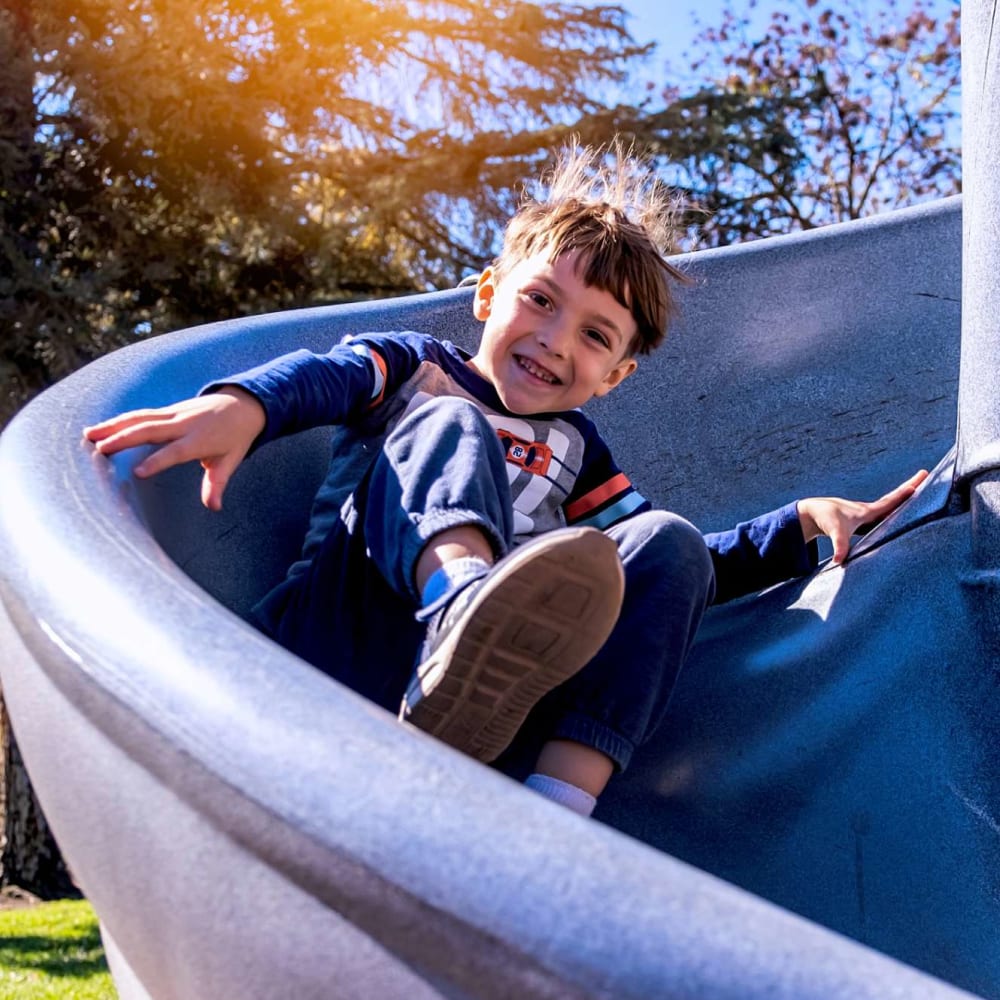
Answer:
x=216 y=430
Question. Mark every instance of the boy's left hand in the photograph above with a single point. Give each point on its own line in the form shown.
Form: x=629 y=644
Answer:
x=840 y=519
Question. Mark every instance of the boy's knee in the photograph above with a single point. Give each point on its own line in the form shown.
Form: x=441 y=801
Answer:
x=667 y=544
x=445 y=428
x=448 y=411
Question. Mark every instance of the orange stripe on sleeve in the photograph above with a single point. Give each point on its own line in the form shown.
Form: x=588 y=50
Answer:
x=586 y=503
x=380 y=361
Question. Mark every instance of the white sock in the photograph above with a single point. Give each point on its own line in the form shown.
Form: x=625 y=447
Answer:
x=451 y=577
x=562 y=792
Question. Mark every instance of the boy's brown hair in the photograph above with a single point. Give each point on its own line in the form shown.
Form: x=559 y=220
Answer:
x=611 y=208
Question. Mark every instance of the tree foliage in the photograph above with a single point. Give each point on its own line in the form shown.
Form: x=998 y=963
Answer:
x=830 y=112
x=164 y=163
x=29 y=855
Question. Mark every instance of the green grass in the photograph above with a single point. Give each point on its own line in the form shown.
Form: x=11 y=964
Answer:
x=53 y=952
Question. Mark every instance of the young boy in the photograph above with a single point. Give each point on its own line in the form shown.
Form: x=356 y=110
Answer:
x=473 y=522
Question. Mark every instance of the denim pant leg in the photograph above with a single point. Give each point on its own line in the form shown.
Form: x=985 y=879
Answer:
x=349 y=609
x=616 y=702
x=442 y=467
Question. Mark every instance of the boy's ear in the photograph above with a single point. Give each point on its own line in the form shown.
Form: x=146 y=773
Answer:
x=485 y=289
x=616 y=376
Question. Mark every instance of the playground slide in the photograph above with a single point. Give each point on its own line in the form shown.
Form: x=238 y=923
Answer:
x=817 y=817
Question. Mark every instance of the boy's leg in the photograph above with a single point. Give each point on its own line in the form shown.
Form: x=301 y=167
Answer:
x=506 y=640
x=349 y=607
x=499 y=637
x=466 y=542
x=589 y=727
x=335 y=611
x=441 y=468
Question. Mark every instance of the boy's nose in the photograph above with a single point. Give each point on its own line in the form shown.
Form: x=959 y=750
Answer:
x=554 y=337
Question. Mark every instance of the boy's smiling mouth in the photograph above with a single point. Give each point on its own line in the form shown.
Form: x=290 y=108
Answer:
x=537 y=371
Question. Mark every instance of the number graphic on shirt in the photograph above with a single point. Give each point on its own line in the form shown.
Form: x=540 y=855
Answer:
x=533 y=467
x=532 y=456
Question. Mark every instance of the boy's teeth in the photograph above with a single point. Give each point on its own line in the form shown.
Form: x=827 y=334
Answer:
x=538 y=372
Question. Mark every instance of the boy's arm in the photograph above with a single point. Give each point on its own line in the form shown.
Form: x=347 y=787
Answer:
x=758 y=553
x=780 y=545
x=228 y=418
x=216 y=430
x=291 y=393
x=302 y=390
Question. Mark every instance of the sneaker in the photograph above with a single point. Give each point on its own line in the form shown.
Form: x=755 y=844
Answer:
x=507 y=639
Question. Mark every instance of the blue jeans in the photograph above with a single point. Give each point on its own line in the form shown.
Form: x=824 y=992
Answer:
x=349 y=610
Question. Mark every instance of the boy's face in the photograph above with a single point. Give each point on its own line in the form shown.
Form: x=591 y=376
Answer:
x=551 y=342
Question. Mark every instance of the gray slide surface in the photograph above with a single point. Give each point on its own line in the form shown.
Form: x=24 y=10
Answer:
x=818 y=816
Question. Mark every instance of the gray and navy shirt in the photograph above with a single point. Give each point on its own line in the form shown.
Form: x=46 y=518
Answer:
x=561 y=471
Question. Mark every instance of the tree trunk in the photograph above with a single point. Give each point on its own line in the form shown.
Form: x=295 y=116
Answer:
x=23 y=216
x=29 y=856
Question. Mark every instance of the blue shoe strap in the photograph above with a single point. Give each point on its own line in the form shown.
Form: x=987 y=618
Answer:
x=444 y=583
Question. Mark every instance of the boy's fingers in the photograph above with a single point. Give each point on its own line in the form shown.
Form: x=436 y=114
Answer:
x=905 y=489
x=123 y=422
x=171 y=454
x=841 y=545
x=136 y=434
x=105 y=436
x=894 y=498
x=99 y=431
x=212 y=490
x=216 y=479
x=885 y=505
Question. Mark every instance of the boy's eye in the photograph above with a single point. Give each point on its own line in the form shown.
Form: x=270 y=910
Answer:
x=599 y=336
x=539 y=298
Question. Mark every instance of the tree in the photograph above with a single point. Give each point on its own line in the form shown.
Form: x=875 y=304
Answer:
x=26 y=843
x=828 y=114
x=29 y=855
x=164 y=164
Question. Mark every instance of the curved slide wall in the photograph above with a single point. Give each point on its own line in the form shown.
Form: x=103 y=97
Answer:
x=245 y=827
x=817 y=817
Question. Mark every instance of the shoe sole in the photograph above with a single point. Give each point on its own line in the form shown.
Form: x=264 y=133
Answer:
x=548 y=608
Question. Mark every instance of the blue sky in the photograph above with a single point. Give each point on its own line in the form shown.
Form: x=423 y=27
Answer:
x=672 y=27
x=673 y=24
